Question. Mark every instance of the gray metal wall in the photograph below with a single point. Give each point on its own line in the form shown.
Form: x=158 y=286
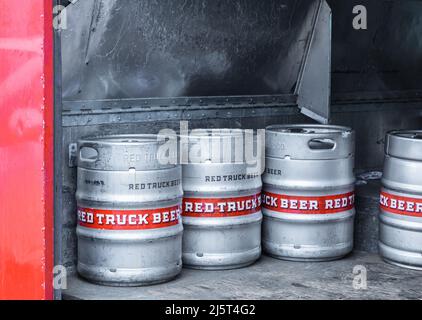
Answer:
x=173 y=48
x=385 y=57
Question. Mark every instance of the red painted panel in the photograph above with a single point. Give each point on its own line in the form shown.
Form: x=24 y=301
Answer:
x=26 y=149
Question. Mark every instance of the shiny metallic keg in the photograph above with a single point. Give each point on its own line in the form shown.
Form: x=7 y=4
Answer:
x=401 y=200
x=129 y=211
x=308 y=194
x=222 y=203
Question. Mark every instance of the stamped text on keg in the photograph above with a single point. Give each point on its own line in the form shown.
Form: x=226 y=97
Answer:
x=154 y=185
x=232 y=177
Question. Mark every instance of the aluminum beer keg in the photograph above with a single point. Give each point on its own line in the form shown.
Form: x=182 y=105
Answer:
x=222 y=202
x=129 y=211
x=308 y=194
x=401 y=200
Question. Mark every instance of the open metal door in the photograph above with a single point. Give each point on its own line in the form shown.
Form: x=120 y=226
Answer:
x=161 y=52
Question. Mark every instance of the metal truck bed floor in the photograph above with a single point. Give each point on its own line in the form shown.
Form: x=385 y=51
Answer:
x=272 y=279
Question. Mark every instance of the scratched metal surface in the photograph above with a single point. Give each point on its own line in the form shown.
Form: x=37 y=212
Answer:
x=162 y=48
x=173 y=48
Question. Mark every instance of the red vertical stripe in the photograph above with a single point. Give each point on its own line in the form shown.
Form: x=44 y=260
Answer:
x=26 y=149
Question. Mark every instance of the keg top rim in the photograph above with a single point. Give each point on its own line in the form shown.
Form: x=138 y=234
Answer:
x=410 y=135
x=304 y=129
x=213 y=133
x=404 y=144
x=132 y=139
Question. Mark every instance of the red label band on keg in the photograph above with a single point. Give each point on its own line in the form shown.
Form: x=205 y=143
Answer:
x=329 y=204
x=401 y=205
x=221 y=207
x=129 y=219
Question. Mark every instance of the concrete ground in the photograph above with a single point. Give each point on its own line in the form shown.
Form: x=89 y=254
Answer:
x=273 y=279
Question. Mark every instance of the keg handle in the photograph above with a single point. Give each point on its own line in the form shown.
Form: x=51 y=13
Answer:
x=322 y=144
x=88 y=152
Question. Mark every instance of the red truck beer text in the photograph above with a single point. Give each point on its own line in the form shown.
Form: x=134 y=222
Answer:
x=231 y=177
x=401 y=205
x=308 y=205
x=221 y=207
x=155 y=185
x=129 y=219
